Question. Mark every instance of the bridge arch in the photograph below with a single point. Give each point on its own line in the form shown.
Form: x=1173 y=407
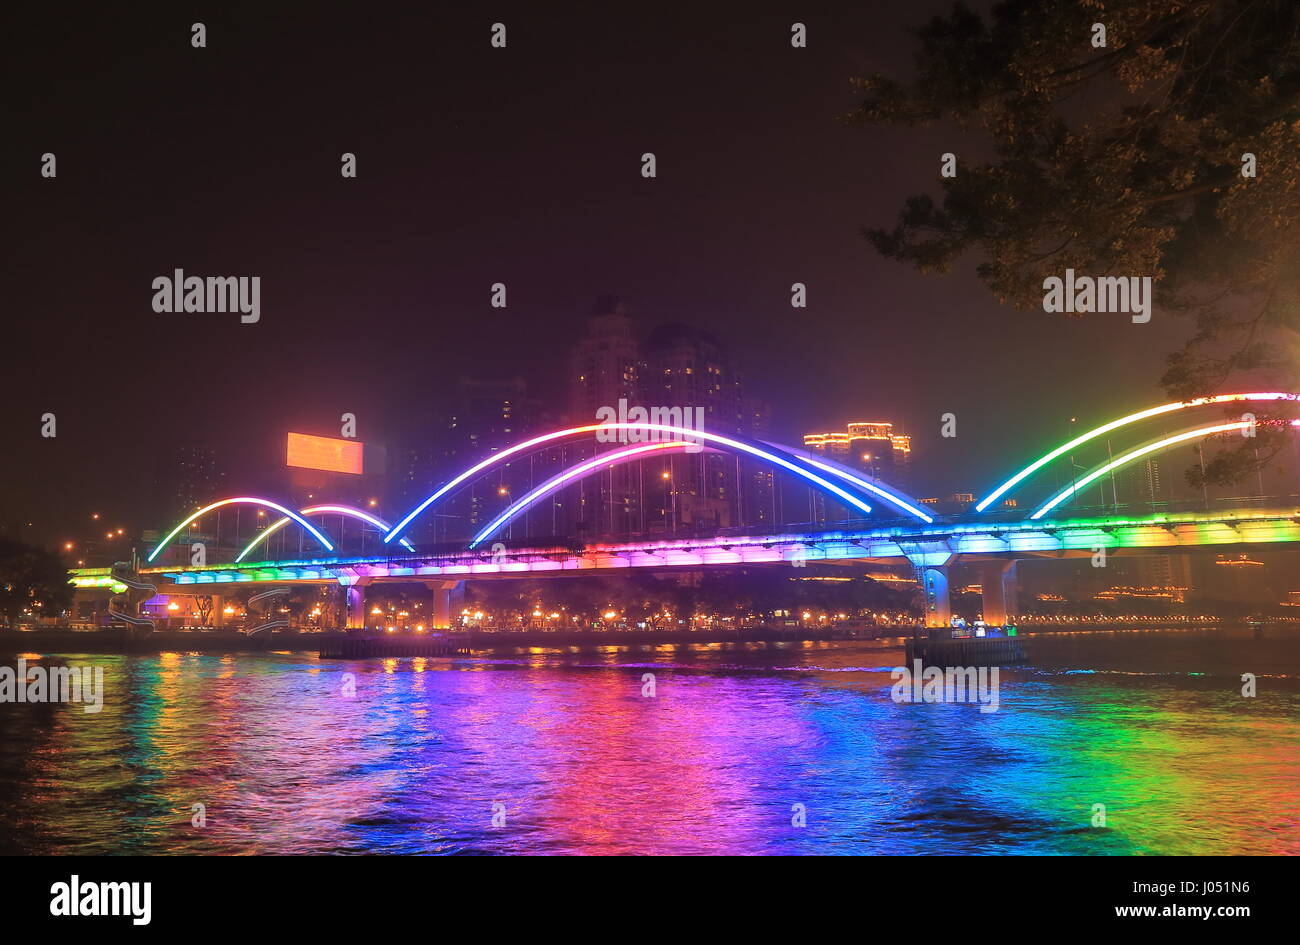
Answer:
x=241 y=500
x=774 y=455
x=863 y=481
x=577 y=471
x=1135 y=454
x=1122 y=422
x=348 y=510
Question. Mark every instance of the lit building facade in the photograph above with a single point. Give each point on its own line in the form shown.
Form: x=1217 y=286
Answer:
x=871 y=446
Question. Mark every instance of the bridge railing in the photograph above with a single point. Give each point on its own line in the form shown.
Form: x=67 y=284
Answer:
x=1143 y=509
x=793 y=531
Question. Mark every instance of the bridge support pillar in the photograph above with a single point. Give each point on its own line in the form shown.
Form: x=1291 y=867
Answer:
x=938 y=602
x=998 y=588
x=932 y=561
x=445 y=594
x=354 y=602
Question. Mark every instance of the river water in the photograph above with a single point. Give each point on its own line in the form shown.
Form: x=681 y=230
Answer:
x=792 y=748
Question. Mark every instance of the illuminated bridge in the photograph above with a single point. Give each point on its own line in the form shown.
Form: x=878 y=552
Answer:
x=888 y=526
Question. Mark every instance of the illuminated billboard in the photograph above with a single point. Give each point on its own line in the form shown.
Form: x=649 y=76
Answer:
x=325 y=453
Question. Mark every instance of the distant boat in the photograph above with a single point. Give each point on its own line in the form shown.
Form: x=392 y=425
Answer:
x=861 y=629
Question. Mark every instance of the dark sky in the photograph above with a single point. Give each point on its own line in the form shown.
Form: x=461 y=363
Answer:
x=480 y=165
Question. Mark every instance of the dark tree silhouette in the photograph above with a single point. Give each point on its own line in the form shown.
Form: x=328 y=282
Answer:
x=31 y=577
x=1125 y=160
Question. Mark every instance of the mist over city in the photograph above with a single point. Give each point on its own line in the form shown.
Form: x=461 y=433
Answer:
x=868 y=429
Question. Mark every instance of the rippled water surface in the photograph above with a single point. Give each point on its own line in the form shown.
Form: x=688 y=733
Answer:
x=1152 y=725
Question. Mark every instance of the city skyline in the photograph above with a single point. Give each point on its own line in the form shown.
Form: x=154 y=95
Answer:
x=370 y=333
x=464 y=426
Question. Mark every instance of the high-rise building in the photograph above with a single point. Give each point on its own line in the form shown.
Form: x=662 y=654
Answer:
x=487 y=417
x=415 y=470
x=605 y=366
x=184 y=481
x=481 y=418
x=1140 y=484
x=679 y=369
x=759 y=492
x=1164 y=571
x=689 y=369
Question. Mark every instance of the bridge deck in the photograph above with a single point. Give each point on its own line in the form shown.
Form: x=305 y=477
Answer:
x=932 y=544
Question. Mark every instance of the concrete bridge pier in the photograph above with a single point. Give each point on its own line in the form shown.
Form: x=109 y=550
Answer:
x=354 y=598
x=938 y=602
x=998 y=587
x=932 y=562
x=446 y=596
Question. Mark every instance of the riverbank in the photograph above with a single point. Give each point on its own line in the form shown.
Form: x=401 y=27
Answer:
x=136 y=640
x=133 y=640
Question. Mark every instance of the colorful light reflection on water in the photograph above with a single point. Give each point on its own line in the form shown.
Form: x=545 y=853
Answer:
x=1152 y=725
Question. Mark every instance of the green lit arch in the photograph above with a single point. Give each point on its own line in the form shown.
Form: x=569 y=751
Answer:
x=1115 y=425
x=1133 y=455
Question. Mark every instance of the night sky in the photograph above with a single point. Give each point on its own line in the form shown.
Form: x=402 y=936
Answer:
x=479 y=165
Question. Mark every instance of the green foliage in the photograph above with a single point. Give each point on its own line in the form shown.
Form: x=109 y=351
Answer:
x=30 y=575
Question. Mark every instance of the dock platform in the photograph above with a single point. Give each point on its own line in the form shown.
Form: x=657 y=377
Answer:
x=941 y=648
